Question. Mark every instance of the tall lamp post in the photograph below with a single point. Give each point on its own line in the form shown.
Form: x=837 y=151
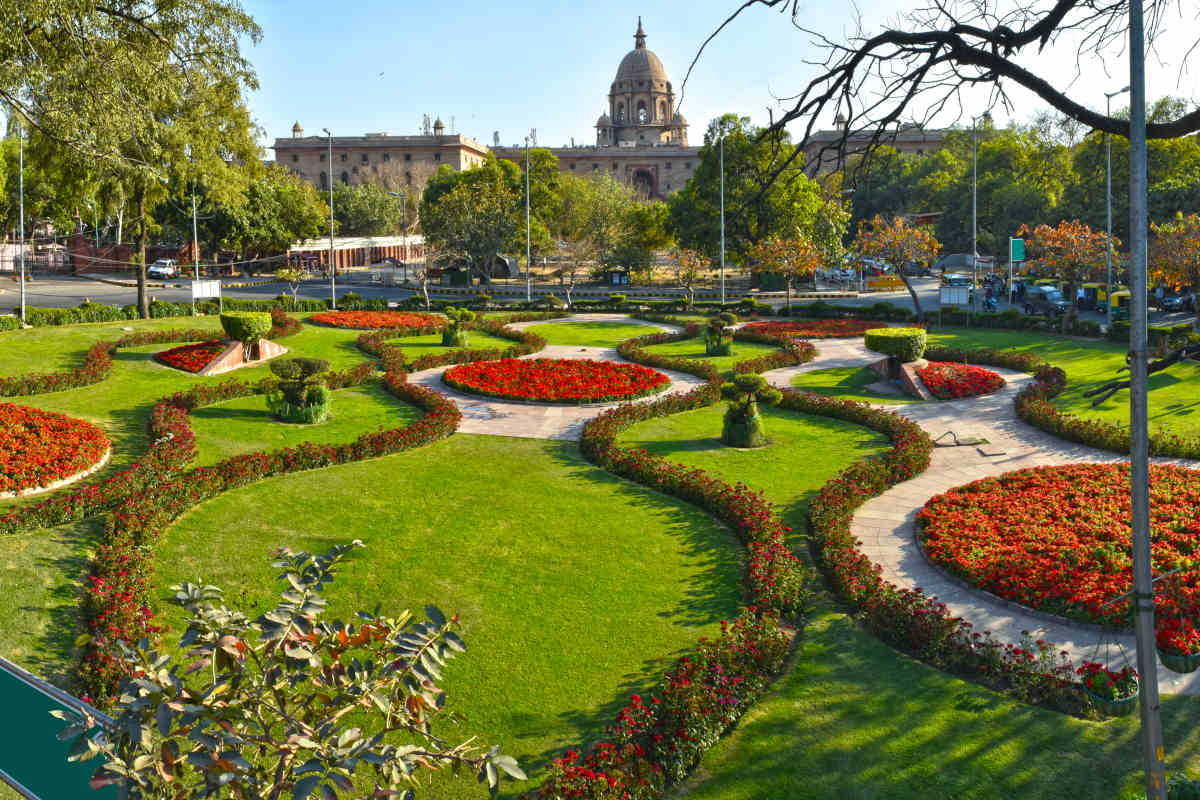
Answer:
x=332 y=270
x=1108 y=253
x=21 y=212
x=528 y=265
x=95 y=223
x=985 y=117
x=403 y=233
x=722 y=217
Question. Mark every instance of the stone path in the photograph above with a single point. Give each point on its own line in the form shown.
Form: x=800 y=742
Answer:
x=885 y=524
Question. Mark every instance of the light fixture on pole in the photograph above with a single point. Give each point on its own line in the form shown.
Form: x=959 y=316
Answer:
x=403 y=234
x=722 y=216
x=528 y=265
x=1108 y=96
x=21 y=212
x=95 y=223
x=985 y=117
x=332 y=270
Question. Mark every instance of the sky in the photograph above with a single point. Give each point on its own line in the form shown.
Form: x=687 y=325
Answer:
x=364 y=66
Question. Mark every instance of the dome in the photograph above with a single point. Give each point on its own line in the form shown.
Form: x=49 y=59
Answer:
x=641 y=64
x=604 y=120
x=679 y=119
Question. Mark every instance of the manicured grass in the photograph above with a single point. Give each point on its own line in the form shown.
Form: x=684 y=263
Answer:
x=574 y=587
x=848 y=383
x=1174 y=392
x=245 y=425
x=591 y=334
x=694 y=348
x=417 y=346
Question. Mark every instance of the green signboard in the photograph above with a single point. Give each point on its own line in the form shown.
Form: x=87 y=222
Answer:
x=1016 y=250
x=32 y=759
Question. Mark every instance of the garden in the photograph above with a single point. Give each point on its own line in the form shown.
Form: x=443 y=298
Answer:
x=681 y=566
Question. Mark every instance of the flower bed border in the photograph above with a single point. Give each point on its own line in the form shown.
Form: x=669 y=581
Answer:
x=407 y=330
x=869 y=323
x=959 y=368
x=454 y=383
x=393 y=358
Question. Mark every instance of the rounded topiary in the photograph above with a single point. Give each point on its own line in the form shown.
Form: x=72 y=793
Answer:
x=743 y=425
x=718 y=336
x=301 y=394
x=455 y=332
x=906 y=344
x=246 y=327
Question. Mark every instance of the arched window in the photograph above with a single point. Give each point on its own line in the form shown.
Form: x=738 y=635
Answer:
x=662 y=111
x=346 y=178
x=324 y=181
x=641 y=112
x=620 y=112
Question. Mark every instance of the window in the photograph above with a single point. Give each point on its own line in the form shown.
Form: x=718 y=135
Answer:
x=668 y=165
x=642 y=116
x=620 y=112
x=343 y=156
x=572 y=165
x=688 y=165
x=408 y=178
x=364 y=158
x=345 y=178
x=437 y=156
x=354 y=170
x=295 y=159
x=662 y=110
x=387 y=156
x=324 y=181
x=408 y=156
x=614 y=165
x=595 y=167
x=668 y=187
x=322 y=158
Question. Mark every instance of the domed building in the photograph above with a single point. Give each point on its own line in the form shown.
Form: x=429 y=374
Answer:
x=641 y=102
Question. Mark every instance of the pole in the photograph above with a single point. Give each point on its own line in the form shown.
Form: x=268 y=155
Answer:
x=1108 y=96
x=722 y=218
x=21 y=217
x=332 y=270
x=195 y=238
x=96 y=226
x=974 y=212
x=528 y=264
x=1139 y=466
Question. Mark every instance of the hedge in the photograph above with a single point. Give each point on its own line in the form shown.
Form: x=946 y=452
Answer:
x=906 y=344
x=246 y=326
x=375 y=343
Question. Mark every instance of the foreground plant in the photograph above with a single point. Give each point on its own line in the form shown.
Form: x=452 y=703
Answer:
x=287 y=705
x=455 y=332
x=302 y=395
x=718 y=336
x=743 y=423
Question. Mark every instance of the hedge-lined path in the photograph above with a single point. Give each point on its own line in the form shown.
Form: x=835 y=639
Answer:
x=886 y=524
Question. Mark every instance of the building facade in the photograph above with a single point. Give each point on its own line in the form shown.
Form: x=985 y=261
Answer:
x=908 y=139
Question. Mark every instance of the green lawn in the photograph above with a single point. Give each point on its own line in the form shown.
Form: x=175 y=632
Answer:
x=590 y=334
x=694 y=348
x=574 y=587
x=245 y=425
x=1174 y=393
x=848 y=383
x=417 y=346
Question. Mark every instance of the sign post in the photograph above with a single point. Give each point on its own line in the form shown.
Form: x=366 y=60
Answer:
x=206 y=290
x=1016 y=252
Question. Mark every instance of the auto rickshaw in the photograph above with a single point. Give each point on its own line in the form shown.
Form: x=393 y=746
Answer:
x=1094 y=296
x=1119 y=305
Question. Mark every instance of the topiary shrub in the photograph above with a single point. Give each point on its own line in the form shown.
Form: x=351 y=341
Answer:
x=455 y=332
x=718 y=336
x=905 y=344
x=617 y=299
x=743 y=424
x=301 y=394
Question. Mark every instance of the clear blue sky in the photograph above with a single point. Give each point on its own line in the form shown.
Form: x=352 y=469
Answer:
x=369 y=65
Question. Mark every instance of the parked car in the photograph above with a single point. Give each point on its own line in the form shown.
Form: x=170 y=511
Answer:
x=953 y=262
x=1045 y=300
x=1180 y=302
x=163 y=268
x=914 y=269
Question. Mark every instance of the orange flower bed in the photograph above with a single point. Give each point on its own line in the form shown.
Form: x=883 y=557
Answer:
x=38 y=448
x=556 y=380
x=372 y=320
x=814 y=328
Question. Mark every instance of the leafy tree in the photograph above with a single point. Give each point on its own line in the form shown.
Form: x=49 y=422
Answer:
x=293 y=277
x=593 y=218
x=473 y=220
x=792 y=258
x=1071 y=251
x=287 y=705
x=898 y=244
x=366 y=210
x=1175 y=252
x=689 y=265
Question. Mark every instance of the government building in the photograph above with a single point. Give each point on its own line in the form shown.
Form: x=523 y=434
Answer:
x=641 y=140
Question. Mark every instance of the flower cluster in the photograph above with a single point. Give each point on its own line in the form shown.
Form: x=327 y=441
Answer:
x=947 y=380
x=394 y=358
x=1057 y=538
x=191 y=357
x=38 y=448
x=556 y=380
x=792 y=351
x=1109 y=684
x=814 y=328
x=406 y=323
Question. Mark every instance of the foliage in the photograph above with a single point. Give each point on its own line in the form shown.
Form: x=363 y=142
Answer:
x=301 y=394
x=743 y=426
x=281 y=209
x=246 y=327
x=1070 y=251
x=293 y=277
x=599 y=222
x=204 y=725
x=897 y=243
x=718 y=334
x=688 y=267
x=191 y=357
x=474 y=219
x=455 y=332
x=411 y=324
x=366 y=209
x=791 y=257
x=906 y=344
x=1175 y=252
x=812 y=328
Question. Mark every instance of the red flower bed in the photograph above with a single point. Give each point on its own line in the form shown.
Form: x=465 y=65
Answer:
x=814 y=328
x=949 y=381
x=191 y=357
x=39 y=447
x=566 y=380
x=1057 y=539
x=370 y=320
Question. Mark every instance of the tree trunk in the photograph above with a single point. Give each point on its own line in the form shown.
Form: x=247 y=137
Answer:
x=143 y=300
x=913 y=294
x=789 y=296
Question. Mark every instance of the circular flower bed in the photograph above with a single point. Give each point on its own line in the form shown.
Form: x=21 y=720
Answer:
x=38 y=448
x=814 y=328
x=1057 y=539
x=566 y=380
x=947 y=380
x=191 y=357
x=371 y=320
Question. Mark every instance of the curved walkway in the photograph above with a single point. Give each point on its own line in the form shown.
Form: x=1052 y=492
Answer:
x=886 y=524
x=545 y=420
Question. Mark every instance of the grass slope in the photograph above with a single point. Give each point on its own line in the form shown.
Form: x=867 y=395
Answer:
x=694 y=348
x=848 y=383
x=590 y=334
x=417 y=346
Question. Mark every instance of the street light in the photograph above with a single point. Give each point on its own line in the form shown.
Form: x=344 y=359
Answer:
x=332 y=271
x=21 y=217
x=95 y=223
x=722 y=216
x=985 y=117
x=1108 y=96
x=528 y=265
x=404 y=234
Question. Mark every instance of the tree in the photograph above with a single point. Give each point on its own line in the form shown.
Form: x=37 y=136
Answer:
x=1175 y=252
x=792 y=258
x=688 y=267
x=592 y=219
x=645 y=235
x=897 y=243
x=293 y=277
x=287 y=705
x=366 y=210
x=1070 y=251
x=472 y=221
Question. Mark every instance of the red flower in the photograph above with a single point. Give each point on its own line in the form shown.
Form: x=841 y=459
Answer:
x=570 y=380
x=191 y=357
x=947 y=380
x=369 y=320
x=38 y=448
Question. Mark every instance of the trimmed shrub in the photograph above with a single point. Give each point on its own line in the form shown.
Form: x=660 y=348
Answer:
x=743 y=425
x=9 y=323
x=246 y=326
x=454 y=334
x=718 y=336
x=906 y=344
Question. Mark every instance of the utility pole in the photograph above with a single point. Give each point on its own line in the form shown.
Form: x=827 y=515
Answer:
x=21 y=212
x=722 y=216
x=1108 y=253
x=195 y=238
x=1139 y=423
x=332 y=270
x=528 y=265
x=985 y=116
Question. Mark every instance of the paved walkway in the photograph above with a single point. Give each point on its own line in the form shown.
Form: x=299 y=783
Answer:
x=886 y=524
